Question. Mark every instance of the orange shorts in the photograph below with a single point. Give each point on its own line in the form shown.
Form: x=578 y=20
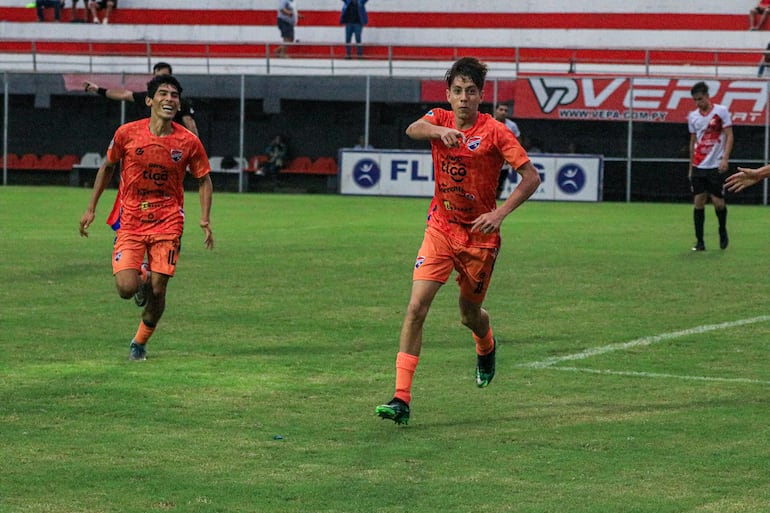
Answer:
x=162 y=251
x=439 y=255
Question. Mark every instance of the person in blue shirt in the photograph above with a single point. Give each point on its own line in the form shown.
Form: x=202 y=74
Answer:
x=354 y=18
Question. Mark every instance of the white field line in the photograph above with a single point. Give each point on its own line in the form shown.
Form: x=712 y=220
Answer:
x=662 y=375
x=645 y=341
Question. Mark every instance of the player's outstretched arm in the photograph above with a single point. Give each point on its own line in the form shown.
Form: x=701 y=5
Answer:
x=102 y=180
x=112 y=94
x=746 y=177
x=205 y=192
x=422 y=130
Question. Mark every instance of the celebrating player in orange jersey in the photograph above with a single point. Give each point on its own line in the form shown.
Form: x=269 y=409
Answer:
x=463 y=228
x=154 y=153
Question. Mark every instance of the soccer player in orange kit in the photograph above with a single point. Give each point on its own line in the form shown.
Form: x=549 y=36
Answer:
x=155 y=153
x=463 y=227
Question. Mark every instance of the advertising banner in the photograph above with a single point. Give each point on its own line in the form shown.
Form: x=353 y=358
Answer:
x=410 y=173
x=657 y=100
x=563 y=177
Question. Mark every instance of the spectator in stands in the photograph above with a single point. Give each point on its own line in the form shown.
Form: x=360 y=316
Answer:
x=711 y=142
x=761 y=10
x=764 y=62
x=43 y=4
x=501 y=114
x=287 y=20
x=354 y=18
x=185 y=116
x=75 y=17
x=277 y=152
x=534 y=146
x=362 y=144
x=102 y=5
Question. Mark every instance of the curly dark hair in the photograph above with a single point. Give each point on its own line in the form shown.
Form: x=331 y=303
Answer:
x=156 y=82
x=469 y=67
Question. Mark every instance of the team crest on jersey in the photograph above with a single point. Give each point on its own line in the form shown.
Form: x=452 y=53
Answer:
x=474 y=143
x=420 y=260
x=176 y=155
x=430 y=113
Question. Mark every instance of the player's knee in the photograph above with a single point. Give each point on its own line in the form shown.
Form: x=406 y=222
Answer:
x=125 y=292
x=416 y=311
x=470 y=317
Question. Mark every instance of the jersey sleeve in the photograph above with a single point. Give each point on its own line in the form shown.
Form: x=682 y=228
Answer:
x=436 y=117
x=199 y=161
x=116 y=149
x=727 y=119
x=512 y=150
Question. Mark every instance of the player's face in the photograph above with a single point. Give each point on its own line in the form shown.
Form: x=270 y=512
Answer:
x=165 y=103
x=501 y=112
x=702 y=101
x=464 y=97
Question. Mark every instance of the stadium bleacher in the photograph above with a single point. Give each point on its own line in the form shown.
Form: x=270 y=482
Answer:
x=601 y=31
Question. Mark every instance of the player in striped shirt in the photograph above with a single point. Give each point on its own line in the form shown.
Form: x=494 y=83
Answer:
x=711 y=142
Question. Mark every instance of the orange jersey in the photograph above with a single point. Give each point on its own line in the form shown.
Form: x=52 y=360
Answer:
x=152 y=174
x=466 y=177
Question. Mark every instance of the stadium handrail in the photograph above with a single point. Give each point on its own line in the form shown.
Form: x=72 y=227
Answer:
x=234 y=57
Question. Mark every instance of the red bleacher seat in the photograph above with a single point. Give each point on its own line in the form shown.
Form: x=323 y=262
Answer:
x=29 y=161
x=12 y=161
x=324 y=166
x=298 y=165
x=256 y=162
x=49 y=162
x=67 y=161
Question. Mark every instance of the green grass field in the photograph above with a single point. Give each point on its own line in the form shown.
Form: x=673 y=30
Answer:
x=632 y=373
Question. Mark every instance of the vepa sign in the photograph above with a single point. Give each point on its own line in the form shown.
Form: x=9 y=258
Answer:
x=657 y=100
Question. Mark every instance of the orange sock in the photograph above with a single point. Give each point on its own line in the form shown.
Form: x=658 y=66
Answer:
x=484 y=345
x=406 y=364
x=144 y=333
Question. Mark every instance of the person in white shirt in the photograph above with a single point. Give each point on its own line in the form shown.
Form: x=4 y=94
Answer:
x=501 y=115
x=711 y=142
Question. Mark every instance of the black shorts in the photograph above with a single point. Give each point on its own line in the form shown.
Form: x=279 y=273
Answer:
x=708 y=180
x=287 y=29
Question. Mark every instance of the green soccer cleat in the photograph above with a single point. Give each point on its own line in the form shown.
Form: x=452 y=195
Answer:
x=485 y=368
x=137 y=352
x=396 y=410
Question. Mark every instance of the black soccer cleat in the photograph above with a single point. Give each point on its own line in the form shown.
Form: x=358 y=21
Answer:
x=137 y=352
x=485 y=368
x=724 y=240
x=396 y=410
